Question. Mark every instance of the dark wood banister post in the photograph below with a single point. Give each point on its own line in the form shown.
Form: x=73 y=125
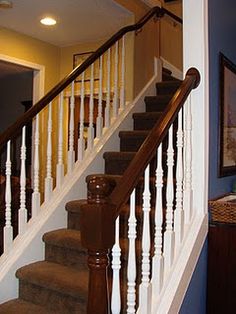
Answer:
x=98 y=237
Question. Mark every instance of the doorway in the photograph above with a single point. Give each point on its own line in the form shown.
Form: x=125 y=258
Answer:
x=21 y=86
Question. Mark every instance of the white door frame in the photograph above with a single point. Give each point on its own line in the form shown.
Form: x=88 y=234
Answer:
x=38 y=74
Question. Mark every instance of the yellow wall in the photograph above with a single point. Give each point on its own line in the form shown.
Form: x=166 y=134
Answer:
x=171 y=41
x=32 y=50
x=68 y=52
x=26 y=48
x=146 y=44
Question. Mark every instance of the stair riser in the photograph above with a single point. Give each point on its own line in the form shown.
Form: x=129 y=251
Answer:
x=167 y=77
x=117 y=167
x=144 y=124
x=73 y=221
x=66 y=256
x=155 y=106
x=165 y=89
x=129 y=144
x=58 y=302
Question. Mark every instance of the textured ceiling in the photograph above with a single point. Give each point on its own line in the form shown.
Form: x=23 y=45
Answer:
x=78 y=20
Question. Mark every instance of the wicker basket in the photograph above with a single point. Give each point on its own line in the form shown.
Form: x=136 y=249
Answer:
x=223 y=209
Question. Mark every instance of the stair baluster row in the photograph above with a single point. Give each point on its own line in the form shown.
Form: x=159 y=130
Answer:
x=54 y=139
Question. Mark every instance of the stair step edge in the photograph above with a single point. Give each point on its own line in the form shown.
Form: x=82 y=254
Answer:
x=56 y=277
x=20 y=306
x=65 y=238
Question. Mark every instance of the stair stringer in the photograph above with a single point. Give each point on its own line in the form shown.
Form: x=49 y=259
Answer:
x=173 y=292
x=29 y=247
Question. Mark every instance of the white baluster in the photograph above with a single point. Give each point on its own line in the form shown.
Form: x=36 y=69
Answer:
x=145 y=287
x=108 y=98
x=131 y=272
x=116 y=265
x=158 y=261
x=60 y=165
x=49 y=180
x=81 y=144
x=71 y=152
x=122 y=83
x=188 y=162
x=8 y=230
x=91 y=107
x=179 y=213
x=169 y=233
x=36 y=193
x=22 y=218
x=116 y=81
x=99 y=121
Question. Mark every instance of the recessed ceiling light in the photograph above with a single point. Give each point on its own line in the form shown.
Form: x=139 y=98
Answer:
x=49 y=21
x=6 y=4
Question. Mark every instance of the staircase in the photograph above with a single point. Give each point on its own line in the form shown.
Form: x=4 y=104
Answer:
x=146 y=213
x=59 y=283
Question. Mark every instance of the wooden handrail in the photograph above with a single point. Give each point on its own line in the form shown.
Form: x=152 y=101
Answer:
x=172 y=15
x=13 y=130
x=147 y=151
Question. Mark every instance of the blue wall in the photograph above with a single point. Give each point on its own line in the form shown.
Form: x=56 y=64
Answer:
x=222 y=38
x=195 y=298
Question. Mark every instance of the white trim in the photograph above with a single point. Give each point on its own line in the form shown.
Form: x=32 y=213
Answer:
x=195 y=38
x=38 y=77
x=173 y=293
x=175 y=71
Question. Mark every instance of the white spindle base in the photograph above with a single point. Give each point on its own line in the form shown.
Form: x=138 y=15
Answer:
x=48 y=188
x=145 y=295
x=35 y=204
x=60 y=175
x=22 y=220
x=70 y=161
x=107 y=117
x=187 y=206
x=90 y=137
x=178 y=227
x=169 y=248
x=81 y=148
x=99 y=125
x=157 y=274
x=7 y=238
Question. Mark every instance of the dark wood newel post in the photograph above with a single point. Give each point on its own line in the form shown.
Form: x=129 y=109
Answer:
x=98 y=236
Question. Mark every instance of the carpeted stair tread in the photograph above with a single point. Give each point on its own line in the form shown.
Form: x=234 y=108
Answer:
x=55 y=277
x=167 y=71
x=135 y=133
x=130 y=141
x=118 y=155
x=146 y=120
x=63 y=246
x=117 y=162
x=168 y=77
x=72 y=206
x=19 y=306
x=67 y=238
x=167 y=87
x=157 y=103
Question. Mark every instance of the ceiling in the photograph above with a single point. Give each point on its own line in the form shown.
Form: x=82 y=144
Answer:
x=78 y=20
